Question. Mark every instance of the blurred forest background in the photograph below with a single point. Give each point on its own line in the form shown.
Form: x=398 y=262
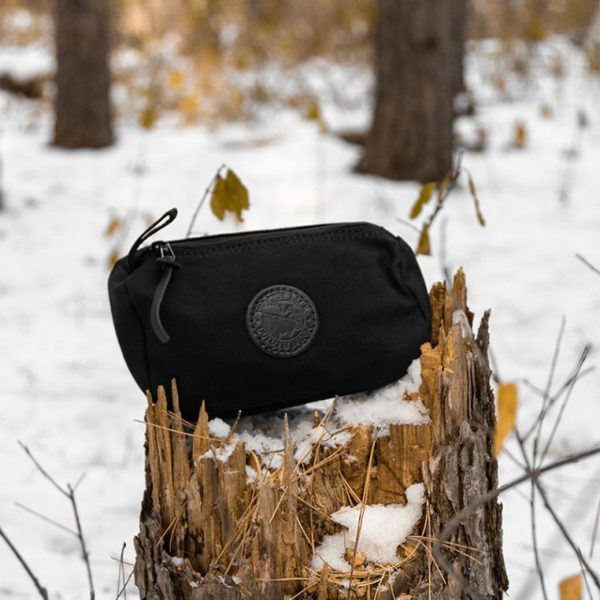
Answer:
x=469 y=127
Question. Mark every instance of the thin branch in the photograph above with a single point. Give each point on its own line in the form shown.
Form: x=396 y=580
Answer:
x=536 y=554
x=39 y=515
x=68 y=492
x=586 y=262
x=561 y=411
x=566 y=535
x=546 y=397
x=43 y=471
x=40 y=588
x=122 y=591
x=203 y=200
x=595 y=530
x=484 y=499
x=84 y=552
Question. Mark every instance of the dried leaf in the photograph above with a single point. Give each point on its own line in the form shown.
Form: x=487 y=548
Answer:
x=519 y=135
x=571 y=588
x=424 y=247
x=314 y=113
x=148 y=118
x=113 y=257
x=546 y=111
x=507 y=413
x=229 y=194
x=176 y=79
x=473 y=191
x=354 y=559
x=188 y=106
x=424 y=197
x=114 y=225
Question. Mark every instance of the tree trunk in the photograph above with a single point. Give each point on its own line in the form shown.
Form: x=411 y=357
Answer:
x=82 y=101
x=208 y=530
x=418 y=64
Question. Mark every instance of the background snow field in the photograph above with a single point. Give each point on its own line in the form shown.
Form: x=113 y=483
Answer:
x=65 y=390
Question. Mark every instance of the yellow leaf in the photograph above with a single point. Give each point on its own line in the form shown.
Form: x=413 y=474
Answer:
x=314 y=113
x=536 y=32
x=519 y=135
x=148 y=117
x=571 y=588
x=473 y=191
x=424 y=197
x=176 y=79
x=507 y=413
x=113 y=226
x=188 y=106
x=113 y=257
x=424 y=247
x=229 y=194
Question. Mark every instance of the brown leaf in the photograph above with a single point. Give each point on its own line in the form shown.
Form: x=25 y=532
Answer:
x=424 y=247
x=424 y=197
x=229 y=194
x=314 y=113
x=113 y=226
x=113 y=257
x=148 y=118
x=519 y=135
x=507 y=413
x=473 y=191
x=176 y=79
x=571 y=588
x=354 y=559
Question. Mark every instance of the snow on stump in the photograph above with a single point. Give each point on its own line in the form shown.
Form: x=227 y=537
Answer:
x=343 y=501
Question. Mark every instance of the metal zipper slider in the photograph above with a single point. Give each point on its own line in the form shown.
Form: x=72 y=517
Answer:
x=168 y=262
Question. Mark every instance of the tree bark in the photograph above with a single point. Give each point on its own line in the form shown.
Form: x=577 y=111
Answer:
x=82 y=100
x=418 y=64
x=208 y=531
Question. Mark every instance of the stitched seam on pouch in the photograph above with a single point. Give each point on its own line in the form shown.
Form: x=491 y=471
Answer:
x=287 y=241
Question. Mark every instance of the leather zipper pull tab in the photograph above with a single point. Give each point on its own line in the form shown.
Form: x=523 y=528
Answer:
x=168 y=263
x=165 y=220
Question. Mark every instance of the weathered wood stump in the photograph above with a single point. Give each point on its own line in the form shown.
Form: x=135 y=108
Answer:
x=221 y=521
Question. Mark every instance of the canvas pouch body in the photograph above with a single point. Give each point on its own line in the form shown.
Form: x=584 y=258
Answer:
x=259 y=321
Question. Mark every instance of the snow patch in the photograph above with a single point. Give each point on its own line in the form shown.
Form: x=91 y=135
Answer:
x=218 y=428
x=384 y=528
x=387 y=405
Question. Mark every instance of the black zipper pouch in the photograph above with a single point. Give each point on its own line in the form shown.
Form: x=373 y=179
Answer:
x=264 y=320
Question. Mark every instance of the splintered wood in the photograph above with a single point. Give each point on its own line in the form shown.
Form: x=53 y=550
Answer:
x=218 y=521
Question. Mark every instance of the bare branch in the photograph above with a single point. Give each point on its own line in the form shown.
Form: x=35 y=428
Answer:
x=40 y=588
x=561 y=411
x=68 y=492
x=566 y=535
x=595 y=530
x=43 y=471
x=588 y=264
x=546 y=397
x=468 y=510
x=84 y=552
x=39 y=515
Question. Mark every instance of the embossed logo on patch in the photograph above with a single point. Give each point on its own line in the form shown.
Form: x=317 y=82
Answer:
x=282 y=320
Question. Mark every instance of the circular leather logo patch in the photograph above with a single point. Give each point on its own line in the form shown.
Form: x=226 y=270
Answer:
x=282 y=320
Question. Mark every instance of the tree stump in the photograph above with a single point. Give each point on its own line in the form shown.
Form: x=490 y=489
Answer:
x=220 y=521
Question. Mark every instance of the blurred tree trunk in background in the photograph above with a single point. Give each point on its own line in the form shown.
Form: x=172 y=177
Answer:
x=82 y=101
x=418 y=56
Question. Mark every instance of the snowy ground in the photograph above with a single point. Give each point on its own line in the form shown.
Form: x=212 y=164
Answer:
x=65 y=389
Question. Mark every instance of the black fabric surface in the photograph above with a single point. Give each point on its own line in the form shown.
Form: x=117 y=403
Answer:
x=365 y=284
